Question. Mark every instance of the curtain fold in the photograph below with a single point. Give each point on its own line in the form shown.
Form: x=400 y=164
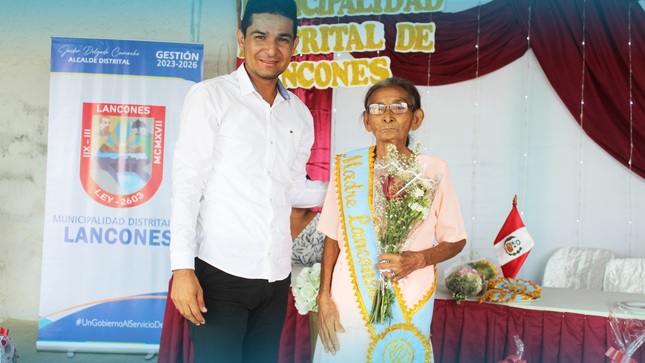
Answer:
x=556 y=29
x=474 y=332
x=556 y=39
x=319 y=103
x=501 y=41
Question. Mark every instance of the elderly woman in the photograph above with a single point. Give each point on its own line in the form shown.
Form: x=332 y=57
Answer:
x=353 y=266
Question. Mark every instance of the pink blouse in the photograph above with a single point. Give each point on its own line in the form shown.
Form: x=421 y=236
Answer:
x=444 y=224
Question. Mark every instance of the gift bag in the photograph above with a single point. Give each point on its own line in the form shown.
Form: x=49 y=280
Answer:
x=519 y=351
x=8 y=352
x=628 y=331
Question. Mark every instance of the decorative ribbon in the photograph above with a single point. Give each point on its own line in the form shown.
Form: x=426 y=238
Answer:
x=407 y=334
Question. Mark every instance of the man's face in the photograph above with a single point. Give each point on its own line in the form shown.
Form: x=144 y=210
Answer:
x=268 y=45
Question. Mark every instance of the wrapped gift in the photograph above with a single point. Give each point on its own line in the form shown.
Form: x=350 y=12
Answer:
x=8 y=352
x=628 y=331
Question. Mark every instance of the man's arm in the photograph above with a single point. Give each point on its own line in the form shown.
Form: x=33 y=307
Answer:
x=192 y=162
x=305 y=193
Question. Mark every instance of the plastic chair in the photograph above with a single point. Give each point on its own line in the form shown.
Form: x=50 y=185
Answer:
x=577 y=268
x=625 y=275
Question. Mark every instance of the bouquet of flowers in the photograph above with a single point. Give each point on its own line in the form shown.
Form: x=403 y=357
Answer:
x=469 y=278
x=462 y=279
x=464 y=282
x=306 y=289
x=628 y=332
x=485 y=268
x=401 y=201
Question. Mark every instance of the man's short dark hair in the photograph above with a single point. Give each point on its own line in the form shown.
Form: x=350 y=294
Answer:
x=286 y=8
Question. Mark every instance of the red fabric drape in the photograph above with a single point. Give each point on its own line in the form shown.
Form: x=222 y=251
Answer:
x=174 y=345
x=556 y=39
x=461 y=333
x=472 y=332
x=319 y=103
x=295 y=345
x=501 y=41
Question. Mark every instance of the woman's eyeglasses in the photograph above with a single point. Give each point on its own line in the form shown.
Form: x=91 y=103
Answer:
x=395 y=108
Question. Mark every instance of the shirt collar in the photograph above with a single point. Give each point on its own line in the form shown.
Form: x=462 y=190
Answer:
x=247 y=86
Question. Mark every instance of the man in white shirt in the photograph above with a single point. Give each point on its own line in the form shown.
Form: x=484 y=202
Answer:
x=238 y=168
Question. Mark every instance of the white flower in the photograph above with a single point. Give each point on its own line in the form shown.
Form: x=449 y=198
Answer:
x=415 y=206
x=417 y=193
x=306 y=289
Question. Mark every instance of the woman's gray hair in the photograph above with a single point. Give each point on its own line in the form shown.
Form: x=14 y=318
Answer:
x=406 y=85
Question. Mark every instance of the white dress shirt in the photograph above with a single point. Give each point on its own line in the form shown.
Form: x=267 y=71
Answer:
x=238 y=167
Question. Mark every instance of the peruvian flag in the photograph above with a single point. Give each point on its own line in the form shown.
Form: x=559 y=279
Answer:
x=513 y=243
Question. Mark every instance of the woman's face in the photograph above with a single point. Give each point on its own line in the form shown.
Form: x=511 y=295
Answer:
x=389 y=127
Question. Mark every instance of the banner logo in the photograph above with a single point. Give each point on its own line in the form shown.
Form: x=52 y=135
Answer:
x=122 y=152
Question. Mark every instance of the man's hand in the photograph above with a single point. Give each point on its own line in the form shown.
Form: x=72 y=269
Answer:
x=188 y=296
x=328 y=323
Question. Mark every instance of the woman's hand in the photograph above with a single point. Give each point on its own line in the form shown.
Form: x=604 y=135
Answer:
x=328 y=323
x=397 y=266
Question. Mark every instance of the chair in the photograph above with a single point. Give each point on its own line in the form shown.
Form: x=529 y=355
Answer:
x=577 y=268
x=625 y=275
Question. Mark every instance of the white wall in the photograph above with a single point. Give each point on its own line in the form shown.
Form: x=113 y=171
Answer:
x=26 y=28
x=495 y=120
x=549 y=184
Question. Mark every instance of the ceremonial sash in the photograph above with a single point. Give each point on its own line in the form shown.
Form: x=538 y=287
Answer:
x=406 y=338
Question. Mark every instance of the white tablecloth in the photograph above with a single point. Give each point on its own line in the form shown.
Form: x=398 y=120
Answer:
x=587 y=302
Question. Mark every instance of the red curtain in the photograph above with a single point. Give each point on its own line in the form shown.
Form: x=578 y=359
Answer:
x=319 y=103
x=473 y=332
x=556 y=39
x=500 y=28
x=486 y=38
x=501 y=41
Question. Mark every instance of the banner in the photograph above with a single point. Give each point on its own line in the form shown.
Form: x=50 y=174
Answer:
x=113 y=119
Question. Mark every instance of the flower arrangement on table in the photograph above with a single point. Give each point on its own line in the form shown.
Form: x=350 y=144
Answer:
x=469 y=279
x=401 y=201
x=306 y=289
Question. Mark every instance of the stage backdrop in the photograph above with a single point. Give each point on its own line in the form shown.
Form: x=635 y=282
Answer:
x=114 y=111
